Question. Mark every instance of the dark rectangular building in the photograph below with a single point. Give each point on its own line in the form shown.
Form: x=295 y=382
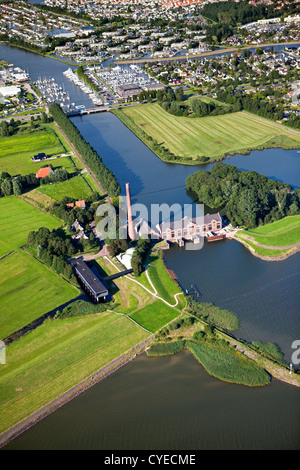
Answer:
x=94 y=286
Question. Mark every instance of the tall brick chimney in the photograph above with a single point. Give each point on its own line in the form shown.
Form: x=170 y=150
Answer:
x=129 y=213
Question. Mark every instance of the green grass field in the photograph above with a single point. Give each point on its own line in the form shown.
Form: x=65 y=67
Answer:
x=160 y=278
x=28 y=289
x=155 y=315
x=17 y=150
x=275 y=238
x=18 y=218
x=76 y=187
x=212 y=136
x=56 y=356
x=134 y=300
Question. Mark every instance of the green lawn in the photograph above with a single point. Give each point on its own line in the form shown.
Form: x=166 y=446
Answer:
x=155 y=315
x=213 y=136
x=56 y=356
x=18 y=218
x=282 y=233
x=278 y=227
x=28 y=289
x=163 y=283
x=76 y=187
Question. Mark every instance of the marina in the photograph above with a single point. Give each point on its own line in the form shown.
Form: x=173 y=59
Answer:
x=85 y=88
x=54 y=93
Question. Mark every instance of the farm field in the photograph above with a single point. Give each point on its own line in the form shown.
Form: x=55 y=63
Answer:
x=76 y=187
x=213 y=136
x=18 y=218
x=66 y=351
x=28 y=290
x=17 y=150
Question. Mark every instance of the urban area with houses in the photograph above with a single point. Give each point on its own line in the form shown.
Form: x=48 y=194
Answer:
x=182 y=101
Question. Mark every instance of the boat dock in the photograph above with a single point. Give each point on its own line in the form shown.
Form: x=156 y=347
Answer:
x=194 y=291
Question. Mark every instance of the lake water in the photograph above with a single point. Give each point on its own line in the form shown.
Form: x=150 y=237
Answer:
x=171 y=402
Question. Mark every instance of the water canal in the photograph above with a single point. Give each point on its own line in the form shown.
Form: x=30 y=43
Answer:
x=165 y=403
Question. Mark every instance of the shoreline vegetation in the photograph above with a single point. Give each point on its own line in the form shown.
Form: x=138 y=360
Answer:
x=156 y=128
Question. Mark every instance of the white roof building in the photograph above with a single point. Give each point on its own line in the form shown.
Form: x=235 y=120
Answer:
x=11 y=90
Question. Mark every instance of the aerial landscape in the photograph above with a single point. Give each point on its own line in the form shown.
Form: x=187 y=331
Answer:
x=150 y=238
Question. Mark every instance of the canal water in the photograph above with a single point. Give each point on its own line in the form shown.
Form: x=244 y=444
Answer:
x=166 y=403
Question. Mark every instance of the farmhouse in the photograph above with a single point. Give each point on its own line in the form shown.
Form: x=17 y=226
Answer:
x=43 y=172
x=92 y=284
x=39 y=157
x=80 y=204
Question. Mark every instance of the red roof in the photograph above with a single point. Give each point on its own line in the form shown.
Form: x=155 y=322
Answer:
x=80 y=203
x=43 y=172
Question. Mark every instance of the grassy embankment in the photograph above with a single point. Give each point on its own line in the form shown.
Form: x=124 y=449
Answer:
x=135 y=296
x=59 y=354
x=276 y=240
x=190 y=138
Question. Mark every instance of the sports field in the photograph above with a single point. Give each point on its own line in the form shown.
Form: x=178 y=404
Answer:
x=18 y=218
x=28 y=290
x=213 y=136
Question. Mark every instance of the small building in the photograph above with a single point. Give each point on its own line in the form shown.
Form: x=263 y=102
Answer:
x=124 y=91
x=39 y=157
x=125 y=258
x=80 y=204
x=43 y=172
x=95 y=288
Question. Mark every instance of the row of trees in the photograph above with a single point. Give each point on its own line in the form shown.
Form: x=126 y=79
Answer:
x=243 y=12
x=200 y=108
x=244 y=197
x=172 y=101
x=256 y=105
x=104 y=175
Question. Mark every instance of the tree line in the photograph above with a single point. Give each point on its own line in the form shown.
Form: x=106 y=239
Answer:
x=244 y=197
x=53 y=249
x=17 y=185
x=172 y=101
x=256 y=105
x=91 y=158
